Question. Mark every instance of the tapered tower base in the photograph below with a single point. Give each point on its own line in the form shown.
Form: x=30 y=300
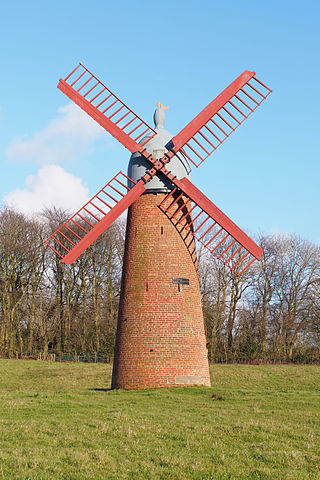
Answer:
x=160 y=335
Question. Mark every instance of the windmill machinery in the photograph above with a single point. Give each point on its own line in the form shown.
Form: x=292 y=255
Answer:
x=160 y=338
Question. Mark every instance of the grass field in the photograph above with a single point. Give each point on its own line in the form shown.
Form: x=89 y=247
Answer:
x=60 y=421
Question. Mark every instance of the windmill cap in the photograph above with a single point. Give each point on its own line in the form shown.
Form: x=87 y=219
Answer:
x=138 y=164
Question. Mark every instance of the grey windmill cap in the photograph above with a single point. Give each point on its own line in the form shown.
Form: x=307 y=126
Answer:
x=138 y=165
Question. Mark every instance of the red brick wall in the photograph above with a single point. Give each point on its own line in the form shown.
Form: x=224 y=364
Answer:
x=160 y=336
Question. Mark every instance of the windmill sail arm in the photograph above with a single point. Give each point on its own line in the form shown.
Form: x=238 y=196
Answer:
x=211 y=209
x=98 y=101
x=72 y=238
x=214 y=124
x=104 y=121
x=190 y=208
x=202 y=118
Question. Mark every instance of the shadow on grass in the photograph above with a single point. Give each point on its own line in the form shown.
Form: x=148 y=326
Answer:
x=171 y=391
x=100 y=389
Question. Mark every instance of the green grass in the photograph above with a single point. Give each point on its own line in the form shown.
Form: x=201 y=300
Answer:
x=59 y=421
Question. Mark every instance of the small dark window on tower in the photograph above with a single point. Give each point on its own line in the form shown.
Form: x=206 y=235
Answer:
x=147 y=287
x=181 y=281
x=161 y=230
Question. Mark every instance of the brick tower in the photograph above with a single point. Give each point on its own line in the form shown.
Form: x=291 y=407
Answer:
x=160 y=334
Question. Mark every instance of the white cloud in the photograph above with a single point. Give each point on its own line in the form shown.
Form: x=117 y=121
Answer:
x=65 y=138
x=50 y=186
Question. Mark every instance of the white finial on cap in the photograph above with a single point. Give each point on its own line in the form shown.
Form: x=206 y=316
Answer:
x=159 y=115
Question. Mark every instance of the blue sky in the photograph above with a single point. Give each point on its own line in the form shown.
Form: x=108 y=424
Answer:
x=183 y=53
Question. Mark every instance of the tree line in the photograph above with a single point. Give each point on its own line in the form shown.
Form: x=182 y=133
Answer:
x=270 y=313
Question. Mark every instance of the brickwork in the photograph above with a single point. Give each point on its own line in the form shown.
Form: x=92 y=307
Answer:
x=160 y=336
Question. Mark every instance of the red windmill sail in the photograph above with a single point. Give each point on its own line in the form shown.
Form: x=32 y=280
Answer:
x=214 y=124
x=210 y=226
x=105 y=107
x=87 y=224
